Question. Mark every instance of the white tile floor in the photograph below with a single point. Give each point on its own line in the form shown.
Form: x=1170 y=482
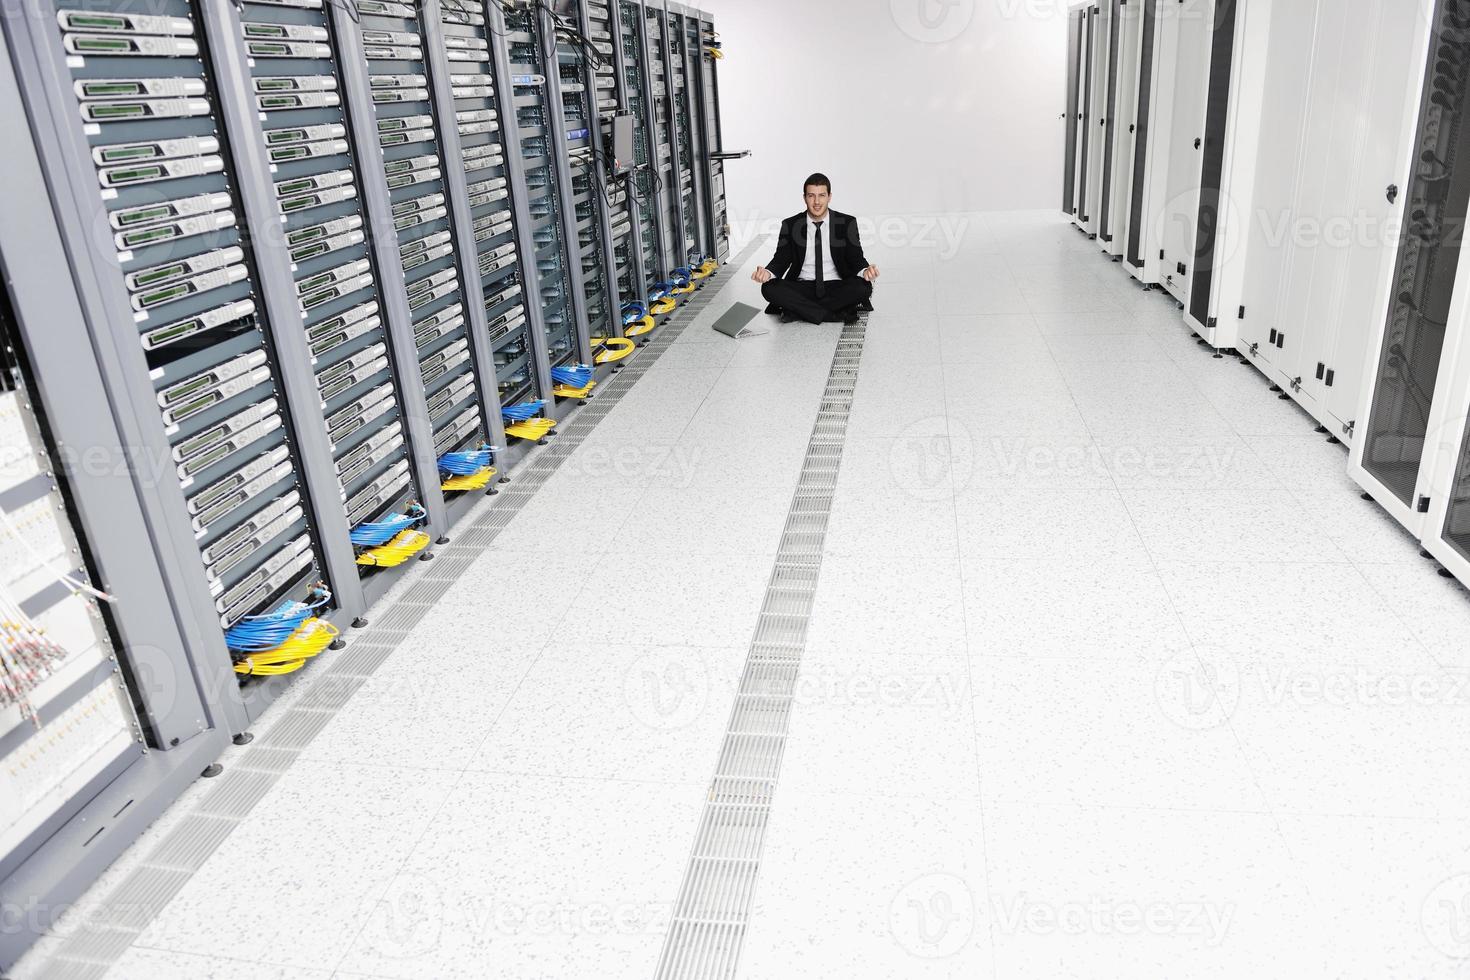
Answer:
x=1110 y=673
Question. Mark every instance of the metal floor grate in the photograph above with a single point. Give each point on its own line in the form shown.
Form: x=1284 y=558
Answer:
x=710 y=916
x=90 y=951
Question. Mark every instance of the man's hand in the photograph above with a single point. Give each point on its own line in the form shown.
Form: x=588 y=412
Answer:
x=870 y=273
x=762 y=275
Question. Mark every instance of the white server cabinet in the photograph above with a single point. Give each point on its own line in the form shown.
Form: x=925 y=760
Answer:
x=1072 y=117
x=1446 y=526
x=1148 y=133
x=1126 y=21
x=1097 y=125
x=1406 y=420
x=1085 y=200
x=1187 y=37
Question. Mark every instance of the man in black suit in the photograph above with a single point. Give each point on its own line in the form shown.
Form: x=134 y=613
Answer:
x=819 y=272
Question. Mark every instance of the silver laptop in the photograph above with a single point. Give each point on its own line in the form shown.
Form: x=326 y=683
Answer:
x=736 y=322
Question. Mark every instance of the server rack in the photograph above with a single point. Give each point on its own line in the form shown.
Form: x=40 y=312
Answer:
x=589 y=94
x=1156 y=57
x=1110 y=25
x=1086 y=146
x=541 y=131
x=1406 y=417
x=234 y=406
x=303 y=63
x=1072 y=117
x=665 y=139
x=687 y=43
x=1188 y=37
x=480 y=84
x=645 y=95
x=712 y=150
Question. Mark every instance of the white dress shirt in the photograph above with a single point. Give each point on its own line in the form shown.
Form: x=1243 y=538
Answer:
x=809 y=264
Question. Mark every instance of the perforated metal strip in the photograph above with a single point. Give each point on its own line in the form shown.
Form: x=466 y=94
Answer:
x=136 y=900
x=710 y=916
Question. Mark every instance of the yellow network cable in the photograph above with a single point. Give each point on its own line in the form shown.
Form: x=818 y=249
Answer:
x=566 y=391
x=308 y=640
x=395 y=552
x=682 y=290
x=471 y=481
x=613 y=349
x=661 y=306
x=533 y=429
x=639 y=327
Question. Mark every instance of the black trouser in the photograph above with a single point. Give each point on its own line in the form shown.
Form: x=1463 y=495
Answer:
x=800 y=298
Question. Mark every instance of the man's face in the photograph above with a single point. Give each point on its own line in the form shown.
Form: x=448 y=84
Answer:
x=817 y=198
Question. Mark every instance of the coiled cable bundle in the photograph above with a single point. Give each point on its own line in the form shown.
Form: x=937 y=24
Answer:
x=610 y=349
x=682 y=285
x=400 y=549
x=573 y=381
x=282 y=640
x=371 y=533
x=660 y=301
x=636 y=321
x=469 y=469
x=522 y=423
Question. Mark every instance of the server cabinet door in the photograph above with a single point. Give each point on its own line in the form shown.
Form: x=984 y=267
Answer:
x=1181 y=200
x=1070 y=117
x=1401 y=407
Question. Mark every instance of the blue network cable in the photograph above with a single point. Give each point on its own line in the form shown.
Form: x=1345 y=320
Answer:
x=269 y=630
x=578 y=376
x=633 y=312
x=681 y=277
x=370 y=534
x=467 y=462
x=660 y=290
x=523 y=411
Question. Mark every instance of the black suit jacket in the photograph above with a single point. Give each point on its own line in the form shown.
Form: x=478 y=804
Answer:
x=843 y=248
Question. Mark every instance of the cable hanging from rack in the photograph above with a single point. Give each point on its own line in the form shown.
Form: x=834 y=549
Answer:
x=27 y=657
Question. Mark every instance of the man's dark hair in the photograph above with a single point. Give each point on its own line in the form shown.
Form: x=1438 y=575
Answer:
x=820 y=180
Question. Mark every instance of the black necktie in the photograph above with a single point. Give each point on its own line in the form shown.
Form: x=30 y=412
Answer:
x=821 y=278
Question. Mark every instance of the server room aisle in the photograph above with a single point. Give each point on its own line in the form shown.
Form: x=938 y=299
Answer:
x=1109 y=673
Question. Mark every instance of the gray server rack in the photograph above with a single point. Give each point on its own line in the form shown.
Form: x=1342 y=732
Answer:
x=286 y=257
x=707 y=52
x=646 y=182
x=589 y=100
x=541 y=130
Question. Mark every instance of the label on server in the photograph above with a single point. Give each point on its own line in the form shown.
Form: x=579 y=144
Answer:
x=238 y=497
x=424 y=337
x=419 y=204
x=318 y=297
x=337 y=274
x=406 y=137
x=171 y=333
x=421 y=218
x=400 y=123
x=372 y=451
x=157 y=234
x=456 y=392
x=138 y=88
x=444 y=277
x=157 y=296
x=204 y=380
x=426 y=256
x=362 y=358
x=154 y=214
x=397 y=81
x=316 y=182
x=473 y=92
x=454 y=352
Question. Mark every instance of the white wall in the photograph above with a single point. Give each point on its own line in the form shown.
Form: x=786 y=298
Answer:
x=910 y=106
